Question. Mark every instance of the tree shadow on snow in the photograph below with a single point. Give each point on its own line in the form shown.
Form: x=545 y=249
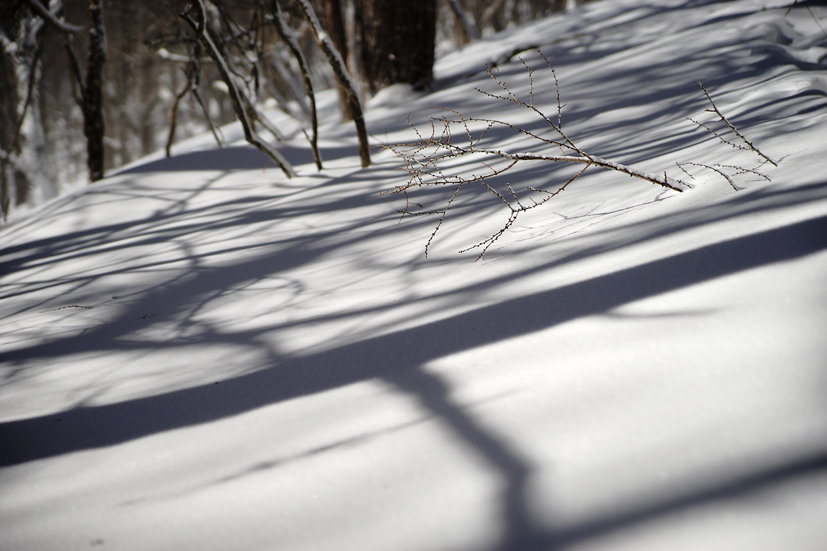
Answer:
x=398 y=359
x=235 y=158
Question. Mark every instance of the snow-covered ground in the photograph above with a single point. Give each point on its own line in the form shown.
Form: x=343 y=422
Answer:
x=200 y=354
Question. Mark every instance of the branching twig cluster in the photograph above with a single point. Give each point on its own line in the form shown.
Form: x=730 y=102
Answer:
x=192 y=72
x=244 y=107
x=427 y=160
x=725 y=170
x=237 y=53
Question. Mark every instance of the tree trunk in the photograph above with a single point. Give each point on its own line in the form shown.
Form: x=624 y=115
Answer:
x=93 y=123
x=333 y=22
x=342 y=77
x=242 y=105
x=287 y=36
x=397 y=42
x=465 y=22
x=19 y=107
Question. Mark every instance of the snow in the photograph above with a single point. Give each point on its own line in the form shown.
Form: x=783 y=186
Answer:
x=200 y=354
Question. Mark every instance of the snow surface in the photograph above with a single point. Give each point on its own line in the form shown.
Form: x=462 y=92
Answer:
x=200 y=354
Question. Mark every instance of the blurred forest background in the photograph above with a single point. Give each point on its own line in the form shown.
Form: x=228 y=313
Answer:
x=150 y=71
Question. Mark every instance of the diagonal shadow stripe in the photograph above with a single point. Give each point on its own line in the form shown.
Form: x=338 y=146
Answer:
x=738 y=487
x=395 y=357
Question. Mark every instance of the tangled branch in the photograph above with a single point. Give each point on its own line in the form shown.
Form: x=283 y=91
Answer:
x=745 y=145
x=425 y=158
x=429 y=158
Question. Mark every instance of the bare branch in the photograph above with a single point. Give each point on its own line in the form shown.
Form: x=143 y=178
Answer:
x=342 y=77
x=467 y=23
x=424 y=159
x=173 y=110
x=195 y=81
x=75 y=66
x=722 y=118
x=286 y=34
x=712 y=168
x=227 y=75
x=51 y=18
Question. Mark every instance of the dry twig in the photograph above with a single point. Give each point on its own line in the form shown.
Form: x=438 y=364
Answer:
x=451 y=137
x=748 y=147
x=242 y=105
x=745 y=145
x=425 y=158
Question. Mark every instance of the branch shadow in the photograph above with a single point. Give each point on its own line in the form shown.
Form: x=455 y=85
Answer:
x=235 y=158
x=224 y=159
x=399 y=358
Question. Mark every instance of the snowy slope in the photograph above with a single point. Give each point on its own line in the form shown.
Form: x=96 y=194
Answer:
x=199 y=354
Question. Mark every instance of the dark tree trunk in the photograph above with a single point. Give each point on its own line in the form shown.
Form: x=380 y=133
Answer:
x=333 y=22
x=287 y=36
x=8 y=126
x=243 y=107
x=93 y=124
x=342 y=77
x=397 y=42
